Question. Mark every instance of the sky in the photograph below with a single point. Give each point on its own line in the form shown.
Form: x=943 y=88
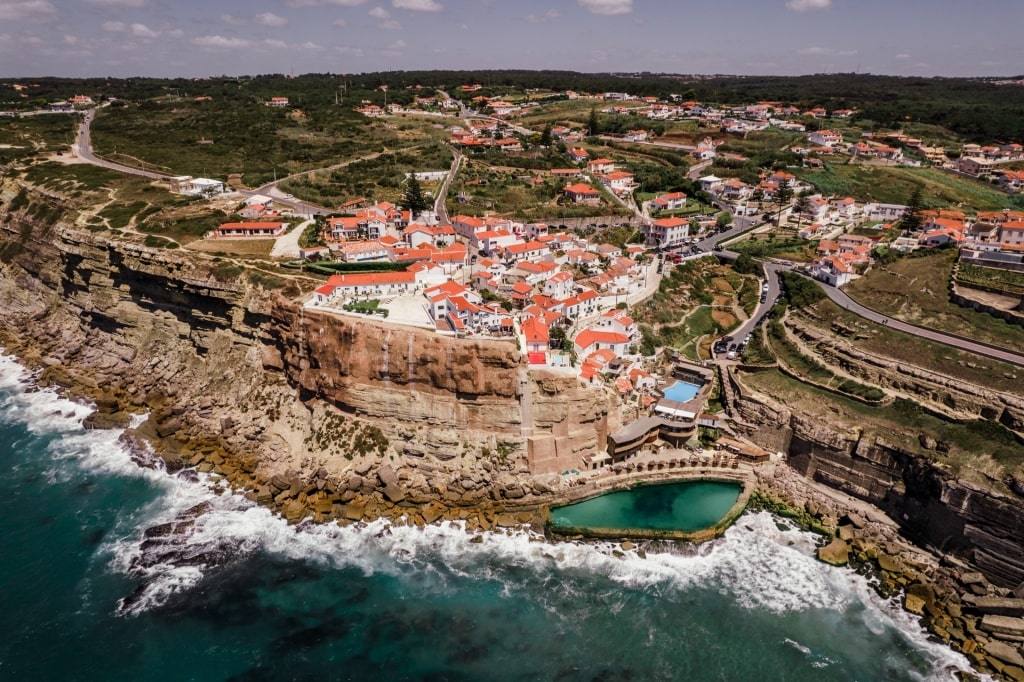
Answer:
x=188 y=38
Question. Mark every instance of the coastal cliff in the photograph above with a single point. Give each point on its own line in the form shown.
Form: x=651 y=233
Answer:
x=330 y=416
x=241 y=381
x=934 y=507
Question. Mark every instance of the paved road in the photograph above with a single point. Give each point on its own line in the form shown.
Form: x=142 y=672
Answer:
x=288 y=245
x=83 y=146
x=439 y=204
x=842 y=299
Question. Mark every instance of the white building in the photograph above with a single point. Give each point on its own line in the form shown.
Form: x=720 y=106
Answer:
x=668 y=232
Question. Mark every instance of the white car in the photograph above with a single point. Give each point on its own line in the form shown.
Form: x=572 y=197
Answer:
x=289 y=196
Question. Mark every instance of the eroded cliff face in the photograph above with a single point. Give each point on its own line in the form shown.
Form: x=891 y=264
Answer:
x=396 y=373
x=224 y=366
x=933 y=507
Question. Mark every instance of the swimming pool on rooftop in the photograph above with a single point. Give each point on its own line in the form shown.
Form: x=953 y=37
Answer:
x=681 y=392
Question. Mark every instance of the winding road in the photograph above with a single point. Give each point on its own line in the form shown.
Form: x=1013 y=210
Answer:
x=83 y=148
x=842 y=299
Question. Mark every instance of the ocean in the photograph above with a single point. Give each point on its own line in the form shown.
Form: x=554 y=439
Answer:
x=234 y=593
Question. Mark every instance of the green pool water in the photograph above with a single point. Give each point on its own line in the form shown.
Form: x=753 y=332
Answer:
x=688 y=506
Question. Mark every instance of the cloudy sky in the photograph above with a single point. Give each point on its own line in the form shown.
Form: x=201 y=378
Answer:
x=236 y=37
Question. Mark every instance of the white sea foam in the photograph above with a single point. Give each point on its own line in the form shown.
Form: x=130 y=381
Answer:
x=757 y=564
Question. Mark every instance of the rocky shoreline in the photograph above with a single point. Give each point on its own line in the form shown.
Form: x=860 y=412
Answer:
x=956 y=605
x=231 y=378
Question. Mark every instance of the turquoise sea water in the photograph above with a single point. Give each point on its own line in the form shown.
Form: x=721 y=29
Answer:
x=687 y=506
x=83 y=595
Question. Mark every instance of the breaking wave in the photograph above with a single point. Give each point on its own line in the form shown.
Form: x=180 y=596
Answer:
x=191 y=529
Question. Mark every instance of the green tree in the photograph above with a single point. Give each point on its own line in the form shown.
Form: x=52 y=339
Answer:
x=783 y=195
x=545 y=137
x=724 y=218
x=413 y=198
x=557 y=336
x=911 y=220
x=803 y=202
x=594 y=127
x=800 y=291
x=746 y=265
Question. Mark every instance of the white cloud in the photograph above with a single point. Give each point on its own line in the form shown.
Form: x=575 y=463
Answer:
x=27 y=10
x=608 y=7
x=114 y=26
x=903 y=55
x=70 y=39
x=119 y=3
x=339 y=23
x=349 y=51
x=309 y=46
x=826 y=51
x=547 y=16
x=807 y=5
x=321 y=3
x=220 y=42
x=397 y=45
x=280 y=44
x=143 y=31
x=264 y=19
x=270 y=19
x=174 y=33
x=418 y=5
x=386 y=22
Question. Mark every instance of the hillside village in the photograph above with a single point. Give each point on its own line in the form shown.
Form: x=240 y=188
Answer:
x=563 y=295
x=564 y=290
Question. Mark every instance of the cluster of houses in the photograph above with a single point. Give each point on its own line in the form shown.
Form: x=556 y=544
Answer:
x=984 y=163
x=72 y=104
x=523 y=281
x=991 y=238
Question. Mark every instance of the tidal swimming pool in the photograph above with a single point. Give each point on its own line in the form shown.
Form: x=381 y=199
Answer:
x=686 y=506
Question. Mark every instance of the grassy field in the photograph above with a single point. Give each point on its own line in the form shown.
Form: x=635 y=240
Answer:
x=567 y=112
x=111 y=201
x=1007 y=280
x=240 y=135
x=916 y=289
x=977 y=449
x=24 y=137
x=234 y=247
x=74 y=179
x=776 y=246
x=932 y=135
x=915 y=351
x=695 y=300
x=479 y=188
x=808 y=367
x=381 y=178
x=895 y=185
